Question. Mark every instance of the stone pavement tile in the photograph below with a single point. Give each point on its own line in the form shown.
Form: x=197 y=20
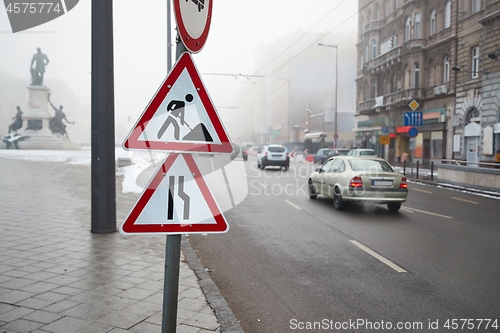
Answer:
x=60 y=306
x=35 y=303
x=67 y=325
x=192 y=304
x=6 y=307
x=117 y=330
x=187 y=329
x=202 y=320
x=22 y=326
x=39 y=287
x=136 y=293
x=43 y=317
x=15 y=296
x=96 y=328
x=16 y=283
x=14 y=314
x=122 y=319
x=145 y=327
x=51 y=296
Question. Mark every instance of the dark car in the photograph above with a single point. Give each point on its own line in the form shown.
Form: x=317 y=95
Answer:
x=337 y=152
x=322 y=155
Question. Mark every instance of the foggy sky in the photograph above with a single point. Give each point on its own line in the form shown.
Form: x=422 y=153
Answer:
x=238 y=28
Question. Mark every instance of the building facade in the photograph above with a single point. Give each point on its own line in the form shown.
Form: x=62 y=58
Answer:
x=434 y=54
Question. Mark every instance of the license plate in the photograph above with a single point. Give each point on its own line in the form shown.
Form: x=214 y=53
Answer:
x=382 y=182
x=276 y=156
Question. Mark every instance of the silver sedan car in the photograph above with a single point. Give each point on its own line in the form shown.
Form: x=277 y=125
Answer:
x=359 y=179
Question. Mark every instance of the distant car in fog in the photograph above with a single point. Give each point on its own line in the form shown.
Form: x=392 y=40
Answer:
x=273 y=155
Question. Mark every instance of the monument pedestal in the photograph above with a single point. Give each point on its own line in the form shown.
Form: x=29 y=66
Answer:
x=36 y=124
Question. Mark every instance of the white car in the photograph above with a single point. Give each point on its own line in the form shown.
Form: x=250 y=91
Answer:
x=348 y=179
x=273 y=155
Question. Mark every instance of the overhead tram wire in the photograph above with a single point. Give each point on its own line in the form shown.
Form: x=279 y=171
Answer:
x=317 y=40
x=314 y=43
x=305 y=33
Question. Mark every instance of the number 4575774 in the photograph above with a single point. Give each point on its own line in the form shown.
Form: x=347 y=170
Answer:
x=31 y=7
x=470 y=324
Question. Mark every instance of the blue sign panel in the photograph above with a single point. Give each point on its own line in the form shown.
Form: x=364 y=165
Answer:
x=413 y=132
x=415 y=118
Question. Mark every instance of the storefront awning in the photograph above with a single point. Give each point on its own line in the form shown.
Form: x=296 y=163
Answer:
x=402 y=129
x=314 y=135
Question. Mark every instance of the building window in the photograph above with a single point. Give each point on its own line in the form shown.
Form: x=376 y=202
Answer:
x=416 y=75
x=476 y=6
x=386 y=8
x=367 y=52
x=394 y=83
x=416 y=30
x=432 y=28
x=475 y=62
x=396 y=5
x=395 y=40
x=361 y=62
x=374 y=89
x=446 y=69
x=374 y=48
x=447 y=15
x=408 y=29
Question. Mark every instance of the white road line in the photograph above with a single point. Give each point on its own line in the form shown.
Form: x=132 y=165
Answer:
x=407 y=210
x=292 y=204
x=379 y=257
x=425 y=212
x=263 y=185
x=469 y=201
x=419 y=190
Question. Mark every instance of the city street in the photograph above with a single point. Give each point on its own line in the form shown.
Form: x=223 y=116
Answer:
x=289 y=261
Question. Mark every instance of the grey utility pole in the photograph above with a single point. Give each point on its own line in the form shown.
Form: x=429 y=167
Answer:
x=336 y=46
x=103 y=183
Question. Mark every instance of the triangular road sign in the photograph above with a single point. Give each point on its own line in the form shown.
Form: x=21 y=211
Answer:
x=180 y=117
x=176 y=201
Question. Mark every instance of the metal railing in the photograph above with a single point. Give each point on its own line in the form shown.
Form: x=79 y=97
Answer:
x=468 y=163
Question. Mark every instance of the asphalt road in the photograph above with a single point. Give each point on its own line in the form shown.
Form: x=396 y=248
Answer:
x=289 y=262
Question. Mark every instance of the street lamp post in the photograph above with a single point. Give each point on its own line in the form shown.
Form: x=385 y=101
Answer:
x=335 y=135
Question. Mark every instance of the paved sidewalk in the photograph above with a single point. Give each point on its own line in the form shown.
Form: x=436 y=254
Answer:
x=56 y=276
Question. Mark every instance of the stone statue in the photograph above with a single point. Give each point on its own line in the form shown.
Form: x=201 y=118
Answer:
x=18 y=121
x=40 y=60
x=56 y=124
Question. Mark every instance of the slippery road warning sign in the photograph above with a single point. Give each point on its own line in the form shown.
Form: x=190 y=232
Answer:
x=180 y=117
x=176 y=201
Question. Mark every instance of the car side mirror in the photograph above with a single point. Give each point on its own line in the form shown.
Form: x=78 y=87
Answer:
x=319 y=170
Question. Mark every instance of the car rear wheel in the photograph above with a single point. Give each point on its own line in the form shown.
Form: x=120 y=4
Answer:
x=394 y=206
x=312 y=191
x=285 y=167
x=338 y=203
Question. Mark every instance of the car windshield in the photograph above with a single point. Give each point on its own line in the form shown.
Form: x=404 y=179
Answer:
x=370 y=165
x=277 y=149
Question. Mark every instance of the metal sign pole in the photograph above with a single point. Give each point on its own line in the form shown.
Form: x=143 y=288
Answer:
x=172 y=262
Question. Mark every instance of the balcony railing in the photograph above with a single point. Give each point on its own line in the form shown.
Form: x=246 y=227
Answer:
x=386 y=57
x=398 y=98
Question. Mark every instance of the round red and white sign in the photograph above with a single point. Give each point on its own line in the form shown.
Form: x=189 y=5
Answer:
x=193 y=21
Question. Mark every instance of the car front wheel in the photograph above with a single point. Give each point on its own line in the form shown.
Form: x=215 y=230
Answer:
x=312 y=191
